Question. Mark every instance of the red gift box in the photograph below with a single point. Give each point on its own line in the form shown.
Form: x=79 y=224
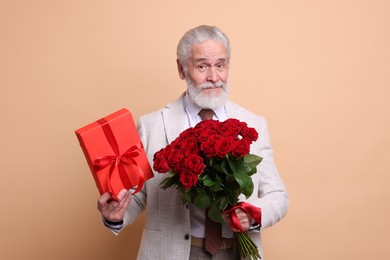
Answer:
x=114 y=153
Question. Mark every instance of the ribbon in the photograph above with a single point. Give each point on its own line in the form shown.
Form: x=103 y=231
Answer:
x=121 y=161
x=251 y=210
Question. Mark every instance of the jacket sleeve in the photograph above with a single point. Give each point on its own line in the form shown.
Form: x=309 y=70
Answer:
x=269 y=191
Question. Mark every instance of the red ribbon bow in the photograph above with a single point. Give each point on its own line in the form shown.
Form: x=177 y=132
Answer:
x=251 y=210
x=122 y=161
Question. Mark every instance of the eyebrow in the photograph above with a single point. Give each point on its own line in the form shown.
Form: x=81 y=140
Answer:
x=205 y=59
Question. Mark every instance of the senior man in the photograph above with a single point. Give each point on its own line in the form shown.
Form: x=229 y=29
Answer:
x=174 y=230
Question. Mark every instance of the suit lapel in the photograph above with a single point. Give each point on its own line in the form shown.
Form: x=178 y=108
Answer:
x=174 y=117
x=233 y=110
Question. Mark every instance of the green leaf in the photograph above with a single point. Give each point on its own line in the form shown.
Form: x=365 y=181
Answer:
x=168 y=182
x=242 y=179
x=248 y=190
x=216 y=167
x=215 y=214
x=221 y=200
x=232 y=198
x=187 y=196
x=232 y=165
x=208 y=181
x=225 y=168
x=231 y=182
x=247 y=169
x=202 y=200
x=239 y=163
x=216 y=187
x=252 y=160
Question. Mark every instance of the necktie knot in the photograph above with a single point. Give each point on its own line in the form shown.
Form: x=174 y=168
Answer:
x=206 y=114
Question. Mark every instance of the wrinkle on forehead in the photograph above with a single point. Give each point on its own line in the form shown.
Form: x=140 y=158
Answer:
x=208 y=51
x=207 y=59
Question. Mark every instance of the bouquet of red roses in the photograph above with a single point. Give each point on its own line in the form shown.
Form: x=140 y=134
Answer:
x=210 y=165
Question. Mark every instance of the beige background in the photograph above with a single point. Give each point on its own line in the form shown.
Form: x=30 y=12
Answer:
x=318 y=70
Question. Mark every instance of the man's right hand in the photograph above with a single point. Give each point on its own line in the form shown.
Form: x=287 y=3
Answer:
x=111 y=209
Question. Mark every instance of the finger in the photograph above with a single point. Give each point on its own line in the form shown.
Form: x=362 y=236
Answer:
x=122 y=194
x=124 y=199
x=241 y=215
x=240 y=212
x=243 y=218
x=119 y=206
x=103 y=199
x=113 y=204
x=116 y=209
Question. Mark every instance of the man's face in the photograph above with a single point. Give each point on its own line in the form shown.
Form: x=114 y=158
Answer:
x=207 y=74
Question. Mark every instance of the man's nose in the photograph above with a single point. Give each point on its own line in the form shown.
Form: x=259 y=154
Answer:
x=212 y=75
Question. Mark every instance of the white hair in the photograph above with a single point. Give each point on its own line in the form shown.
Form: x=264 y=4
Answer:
x=196 y=35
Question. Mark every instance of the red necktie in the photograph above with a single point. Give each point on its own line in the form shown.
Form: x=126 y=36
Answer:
x=213 y=230
x=213 y=237
x=206 y=113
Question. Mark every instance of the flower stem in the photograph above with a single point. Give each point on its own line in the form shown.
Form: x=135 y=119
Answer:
x=245 y=247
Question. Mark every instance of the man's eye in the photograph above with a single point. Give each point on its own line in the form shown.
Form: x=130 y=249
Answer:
x=202 y=67
x=220 y=65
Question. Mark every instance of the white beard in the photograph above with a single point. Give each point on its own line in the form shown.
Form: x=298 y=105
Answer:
x=211 y=100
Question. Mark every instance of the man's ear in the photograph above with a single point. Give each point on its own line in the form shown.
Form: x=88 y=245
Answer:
x=180 y=69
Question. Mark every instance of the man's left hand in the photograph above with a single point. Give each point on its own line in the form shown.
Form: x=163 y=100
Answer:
x=246 y=220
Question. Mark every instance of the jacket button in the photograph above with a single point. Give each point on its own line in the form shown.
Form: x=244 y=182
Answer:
x=187 y=236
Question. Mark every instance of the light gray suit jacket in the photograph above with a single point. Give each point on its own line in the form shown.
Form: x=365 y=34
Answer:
x=167 y=230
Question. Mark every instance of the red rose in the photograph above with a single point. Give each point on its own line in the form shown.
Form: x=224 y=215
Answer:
x=187 y=178
x=208 y=149
x=243 y=125
x=241 y=148
x=230 y=128
x=223 y=146
x=176 y=143
x=187 y=133
x=174 y=157
x=232 y=121
x=160 y=163
x=178 y=167
x=205 y=134
x=249 y=133
x=189 y=146
x=195 y=164
x=208 y=146
x=207 y=124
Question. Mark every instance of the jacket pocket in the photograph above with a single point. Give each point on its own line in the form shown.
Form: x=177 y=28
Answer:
x=151 y=246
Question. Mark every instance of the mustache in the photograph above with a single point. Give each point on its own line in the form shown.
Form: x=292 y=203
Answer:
x=207 y=85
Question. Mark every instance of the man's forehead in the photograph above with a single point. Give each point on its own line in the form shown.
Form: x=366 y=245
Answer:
x=209 y=50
